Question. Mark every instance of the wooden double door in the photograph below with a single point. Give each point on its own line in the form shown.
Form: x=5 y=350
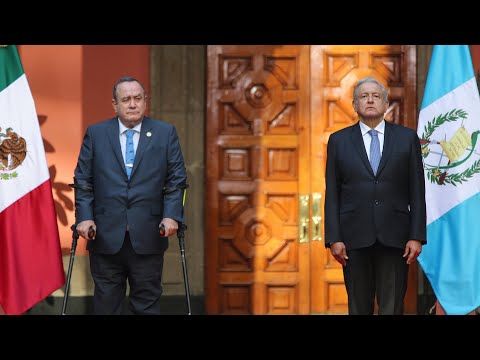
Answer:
x=270 y=112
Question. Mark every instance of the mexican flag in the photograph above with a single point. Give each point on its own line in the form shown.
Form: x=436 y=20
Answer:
x=449 y=128
x=30 y=255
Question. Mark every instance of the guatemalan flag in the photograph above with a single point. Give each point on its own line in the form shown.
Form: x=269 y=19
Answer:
x=448 y=127
x=30 y=255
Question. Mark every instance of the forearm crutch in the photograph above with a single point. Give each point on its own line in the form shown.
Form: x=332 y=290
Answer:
x=181 y=242
x=70 y=267
x=75 y=235
x=91 y=235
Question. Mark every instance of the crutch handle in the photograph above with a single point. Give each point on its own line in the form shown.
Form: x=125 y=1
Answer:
x=161 y=230
x=91 y=232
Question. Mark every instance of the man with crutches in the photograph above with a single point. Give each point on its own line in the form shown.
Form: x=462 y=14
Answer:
x=128 y=161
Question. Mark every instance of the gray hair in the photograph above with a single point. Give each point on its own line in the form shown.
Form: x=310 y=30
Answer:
x=369 y=80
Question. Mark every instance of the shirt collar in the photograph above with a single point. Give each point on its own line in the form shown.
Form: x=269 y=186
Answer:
x=123 y=128
x=365 y=129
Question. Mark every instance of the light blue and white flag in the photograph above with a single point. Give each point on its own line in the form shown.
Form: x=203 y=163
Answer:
x=448 y=128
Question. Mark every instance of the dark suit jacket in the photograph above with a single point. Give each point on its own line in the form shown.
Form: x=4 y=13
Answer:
x=139 y=202
x=360 y=207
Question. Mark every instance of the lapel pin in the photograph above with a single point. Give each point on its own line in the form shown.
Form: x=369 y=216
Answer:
x=149 y=134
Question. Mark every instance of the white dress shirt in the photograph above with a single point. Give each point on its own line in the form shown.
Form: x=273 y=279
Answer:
x=123 y=137
x=367 y=138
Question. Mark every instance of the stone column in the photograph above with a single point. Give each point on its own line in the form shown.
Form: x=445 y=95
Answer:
x=177 y=96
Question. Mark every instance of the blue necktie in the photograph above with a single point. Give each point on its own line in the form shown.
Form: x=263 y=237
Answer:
x=374 y=151
x=129 y=152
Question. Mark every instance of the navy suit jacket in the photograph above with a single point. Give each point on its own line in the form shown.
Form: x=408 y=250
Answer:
x=116 y=201
x=360 y=207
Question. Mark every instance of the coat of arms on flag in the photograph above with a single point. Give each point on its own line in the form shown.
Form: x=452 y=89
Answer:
x=449 y=161
x=13 y=150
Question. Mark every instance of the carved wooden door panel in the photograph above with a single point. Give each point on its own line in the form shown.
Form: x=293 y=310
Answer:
x=270 y=112
x=335 y=69
x=257 y=144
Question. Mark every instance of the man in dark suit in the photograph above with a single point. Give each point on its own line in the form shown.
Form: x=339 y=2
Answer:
x=375 y=213
x=124 y=165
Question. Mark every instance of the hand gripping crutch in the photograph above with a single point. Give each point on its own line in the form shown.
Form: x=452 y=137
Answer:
x=75 y=235
x=181 y=241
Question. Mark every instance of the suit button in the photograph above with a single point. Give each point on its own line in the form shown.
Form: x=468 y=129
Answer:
x=376 y=182
x=376 y=202
x=128 y=206
x=128 y=186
